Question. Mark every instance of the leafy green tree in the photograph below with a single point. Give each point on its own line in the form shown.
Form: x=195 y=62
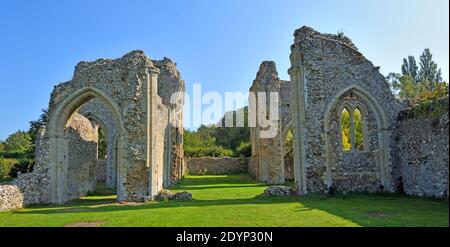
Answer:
x=102 y=146
x=244 y=149
x=345 y=130
x=358 y=130
x=429 y=73
x=289 y=146
x=19 y=143
x=408 y=90
x=5 y=168
x=415 y=81
x=409 y=68
x=35 y=126
x=219 y=141
x=232 y=137
x=393 y=80
x=2 y=147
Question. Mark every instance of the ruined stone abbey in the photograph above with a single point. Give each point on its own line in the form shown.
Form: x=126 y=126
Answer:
x=330 y=77
x=131 y=99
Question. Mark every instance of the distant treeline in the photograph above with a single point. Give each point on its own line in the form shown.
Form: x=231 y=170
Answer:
x=212 y=141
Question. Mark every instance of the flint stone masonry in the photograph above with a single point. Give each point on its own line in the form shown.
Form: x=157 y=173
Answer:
x=100 y=173
x=167 y=195
x=212 y=165
x=328 y=74
x=267 y=161
x=82 y=156
x=423 y=147
x=183 y=196
x=277 y=190
x=10 y=198
x=122 y=97
x=132 y=98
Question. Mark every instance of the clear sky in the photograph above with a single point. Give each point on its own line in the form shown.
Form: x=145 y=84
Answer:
x=219 y=44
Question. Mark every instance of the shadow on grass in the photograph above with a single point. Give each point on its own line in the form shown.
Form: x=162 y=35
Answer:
x=195 y=187
x=362 y=209
x=218 y=179
x=109 y=205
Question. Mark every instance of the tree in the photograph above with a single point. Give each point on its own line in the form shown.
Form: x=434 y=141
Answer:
x=219 y=141
x=409 y=67
x=408 y=90
x=18 y=143
x=429 y=73
x=232 y=137
x=289 y=145
x=345 y=130
x=102 y=145
x=393 y=80
x=413 y=82
x=35 y=126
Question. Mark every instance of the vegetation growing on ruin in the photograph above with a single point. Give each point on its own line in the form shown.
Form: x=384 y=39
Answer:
x=233 y=196
x=429 y=104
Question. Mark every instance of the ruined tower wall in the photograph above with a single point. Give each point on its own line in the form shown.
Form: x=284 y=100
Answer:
x=170 y=85
x=267 y=161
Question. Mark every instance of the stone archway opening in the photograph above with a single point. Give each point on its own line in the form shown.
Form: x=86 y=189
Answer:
x=91 y=151
x=107 y=133
x=74 y=145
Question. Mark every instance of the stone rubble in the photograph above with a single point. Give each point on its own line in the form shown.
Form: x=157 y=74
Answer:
x=277 y=191
x=165 y=195
x=10 y=198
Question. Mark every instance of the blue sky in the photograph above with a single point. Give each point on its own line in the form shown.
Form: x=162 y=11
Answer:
x=219 y=44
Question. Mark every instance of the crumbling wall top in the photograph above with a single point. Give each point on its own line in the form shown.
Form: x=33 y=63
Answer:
x=306 y=32
x=169 y=79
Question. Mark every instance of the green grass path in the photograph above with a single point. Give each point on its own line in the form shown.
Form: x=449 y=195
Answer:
x=229 y=201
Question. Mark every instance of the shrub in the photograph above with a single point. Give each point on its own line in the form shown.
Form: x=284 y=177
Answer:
x=22 y=166
x=6 y=165
x=244 y=149
x=211 y=151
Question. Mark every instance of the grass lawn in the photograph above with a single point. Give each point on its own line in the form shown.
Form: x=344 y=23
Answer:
x=229 y=201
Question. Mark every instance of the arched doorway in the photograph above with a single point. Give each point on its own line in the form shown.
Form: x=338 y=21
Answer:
x=71 y=141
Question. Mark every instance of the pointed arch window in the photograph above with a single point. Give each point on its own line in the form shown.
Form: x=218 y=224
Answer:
x=352 y=129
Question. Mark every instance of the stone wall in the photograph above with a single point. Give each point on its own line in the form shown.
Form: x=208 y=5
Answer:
x=82 y=156
x=100 y=171
x=132 y=111
x=422 y=155
x=328 y=72
x=10 y=197
x=33 y=185
x=212 y=165
x=267 y=160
